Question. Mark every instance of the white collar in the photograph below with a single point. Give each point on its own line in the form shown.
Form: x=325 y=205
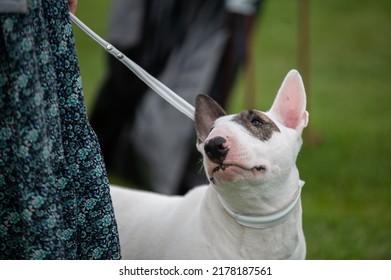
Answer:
x=264 y=221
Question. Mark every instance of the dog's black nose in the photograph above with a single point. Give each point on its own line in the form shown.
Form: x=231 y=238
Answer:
x=216 y=150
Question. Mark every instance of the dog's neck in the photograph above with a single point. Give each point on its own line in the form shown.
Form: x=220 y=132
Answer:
x=271 y=204
x=267 y=220
x=247 y=242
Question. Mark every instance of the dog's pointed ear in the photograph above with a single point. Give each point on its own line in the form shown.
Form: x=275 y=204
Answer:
x=206 y=112
x=289 y=107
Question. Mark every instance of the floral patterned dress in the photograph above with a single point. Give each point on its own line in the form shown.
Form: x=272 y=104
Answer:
x=54 y=196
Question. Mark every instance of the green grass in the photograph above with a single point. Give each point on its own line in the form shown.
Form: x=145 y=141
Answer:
x=91 y=56
x=347 y=196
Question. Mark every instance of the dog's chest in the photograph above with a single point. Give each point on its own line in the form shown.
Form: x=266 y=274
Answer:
x=285 y=241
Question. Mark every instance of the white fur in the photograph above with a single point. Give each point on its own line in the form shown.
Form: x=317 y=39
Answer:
x=196 y=226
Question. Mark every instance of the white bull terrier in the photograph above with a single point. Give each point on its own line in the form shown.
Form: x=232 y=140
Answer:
x=250 y=210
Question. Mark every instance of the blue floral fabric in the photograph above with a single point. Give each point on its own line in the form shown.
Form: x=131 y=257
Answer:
x=54 y=196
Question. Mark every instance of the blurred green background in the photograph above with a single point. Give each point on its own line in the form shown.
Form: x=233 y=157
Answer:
x=345 y=159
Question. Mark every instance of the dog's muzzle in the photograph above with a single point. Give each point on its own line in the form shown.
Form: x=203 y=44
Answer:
x=216 y=150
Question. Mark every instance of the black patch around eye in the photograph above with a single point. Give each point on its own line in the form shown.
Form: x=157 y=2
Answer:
x=257 y=123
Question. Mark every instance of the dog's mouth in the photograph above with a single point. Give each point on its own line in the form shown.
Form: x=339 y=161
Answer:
x=230 y=171
x=224 y=166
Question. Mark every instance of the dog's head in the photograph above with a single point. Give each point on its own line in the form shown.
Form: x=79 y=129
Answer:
x=252 y=154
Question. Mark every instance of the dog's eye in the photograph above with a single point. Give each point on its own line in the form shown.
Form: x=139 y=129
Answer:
x=256 y=122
